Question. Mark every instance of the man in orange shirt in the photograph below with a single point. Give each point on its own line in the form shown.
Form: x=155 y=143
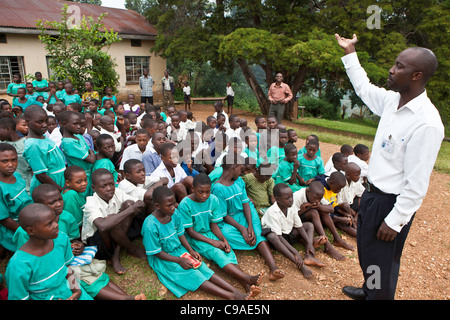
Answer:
x=279 y=94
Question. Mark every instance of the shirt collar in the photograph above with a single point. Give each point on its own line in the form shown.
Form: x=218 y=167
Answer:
x=415 y=104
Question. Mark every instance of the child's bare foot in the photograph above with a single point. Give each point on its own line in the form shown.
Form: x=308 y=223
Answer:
x=140 y=296
x=275 y=275
x=254 y=291
x=256 y=280
x=343 y=244
x=306 y=272
x=311 y=261
x=117 y=266
x=332 y=252
x=319 y=240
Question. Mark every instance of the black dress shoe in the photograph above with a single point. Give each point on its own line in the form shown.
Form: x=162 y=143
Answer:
x=354 y=293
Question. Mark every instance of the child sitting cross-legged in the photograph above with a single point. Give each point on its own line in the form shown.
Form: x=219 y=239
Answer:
x=112 y=220
x=282 y=227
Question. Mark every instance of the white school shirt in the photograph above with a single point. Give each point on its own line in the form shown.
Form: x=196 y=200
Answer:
x=350 y=191
x=139 y=190
x=161 y=171
x=187 y=90
x=226 y=124
x=362 y=164
x=230 y=91
x=275 y=220
x=115 y=136
x=300 y=198
x=132 y=152
x=96 y=207
x=406 y=143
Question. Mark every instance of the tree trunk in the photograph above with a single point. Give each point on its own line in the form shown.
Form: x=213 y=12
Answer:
x=296 y=85
x=261 y=97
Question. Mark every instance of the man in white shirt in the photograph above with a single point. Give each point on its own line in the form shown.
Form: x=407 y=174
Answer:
x=404 y=151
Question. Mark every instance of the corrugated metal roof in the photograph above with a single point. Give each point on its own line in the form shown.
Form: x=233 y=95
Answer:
x=24 y=13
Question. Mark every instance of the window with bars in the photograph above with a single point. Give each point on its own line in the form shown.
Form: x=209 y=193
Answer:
x=8 y=67
x=134 y=67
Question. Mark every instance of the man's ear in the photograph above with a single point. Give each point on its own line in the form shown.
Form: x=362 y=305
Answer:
x=418 y=75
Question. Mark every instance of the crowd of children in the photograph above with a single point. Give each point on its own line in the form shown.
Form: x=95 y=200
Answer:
x=82 y=177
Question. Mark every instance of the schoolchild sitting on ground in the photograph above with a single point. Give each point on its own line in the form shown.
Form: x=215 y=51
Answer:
x=137 y=150
x=312 y=207
x=105 y=152
x=49 y=195
x=107 y=127
x=8 y=134
x=287 y=171
x=282 y=227
x=337 y=162
x=311 y=165
x=165 y=244
x=200 y=214
x=360 y=157
x=276 y=153
x=137 y=184
x=218 y=108
x=45 y=256
x=309 y=138
x=13 y=195
x=73 y=145
x=348 y=199
x=112 y=220
x=241 y=225
x=292 y=136
x=259 y=186
x=44 y=157
x=74 y=192
x=152 y=156
x=179 y=182
x=332 y=186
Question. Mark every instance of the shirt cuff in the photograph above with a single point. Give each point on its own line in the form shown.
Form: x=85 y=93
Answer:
x=396 y=221
x=350 y=60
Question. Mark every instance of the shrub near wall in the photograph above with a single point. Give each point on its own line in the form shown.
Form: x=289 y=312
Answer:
x=319 y=108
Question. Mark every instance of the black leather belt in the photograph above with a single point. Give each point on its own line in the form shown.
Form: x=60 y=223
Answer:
x=371 y=188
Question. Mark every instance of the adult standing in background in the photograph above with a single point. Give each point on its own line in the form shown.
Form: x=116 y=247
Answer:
x=168 y=89
x=279 y=94
x=146 y=85
x=405 y=148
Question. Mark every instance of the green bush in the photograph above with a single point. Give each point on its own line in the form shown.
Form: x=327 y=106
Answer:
x=318 y=108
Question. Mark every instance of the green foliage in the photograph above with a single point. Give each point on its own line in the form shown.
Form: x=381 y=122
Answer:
x=318 y=108
x=77 y=50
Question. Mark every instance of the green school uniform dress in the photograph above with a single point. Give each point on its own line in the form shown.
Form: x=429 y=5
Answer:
x=284 y=174
x=159 y=237
x=71 y=98
x=52 y=99
x=67 y=225
x=40 y=84
x=108 y=98
x=75 y=151
x=60 y=94
x=22 y=167
x=44 y=156
x=231 y=200
x=310 y=168
x=30 y=277
x=108 y=165
x=12 y=88
x=27 y=103
x=303 y=150
x=13 y=198
x=275 y=155
x=74 y=203
x=199 y=215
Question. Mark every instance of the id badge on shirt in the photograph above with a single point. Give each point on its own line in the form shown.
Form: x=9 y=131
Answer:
x=388 y=145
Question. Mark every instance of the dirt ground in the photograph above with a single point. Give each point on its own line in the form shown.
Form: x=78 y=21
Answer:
x=425 y=261
x=424 y=267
